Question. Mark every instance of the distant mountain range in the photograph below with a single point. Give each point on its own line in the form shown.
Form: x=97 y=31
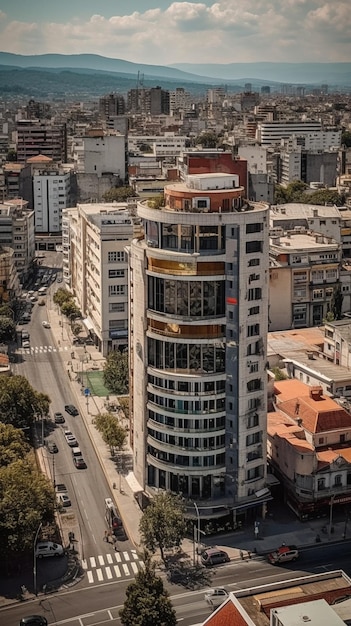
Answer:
x=84 y=74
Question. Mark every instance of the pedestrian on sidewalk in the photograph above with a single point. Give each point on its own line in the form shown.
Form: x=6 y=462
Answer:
x=115 y=543
x=105 y=537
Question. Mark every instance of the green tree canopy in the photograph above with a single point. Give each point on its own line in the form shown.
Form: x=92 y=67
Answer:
x=26 y=499
x=7 y=329
x=70 y=310
x=336 y=302
x=61 y=296
x=147 y=602
x=163 y=525
x=76 y=328
x=6 y=311
x=346 y=138
x=113 y=434
x=119 y=194
x=116 y=372
x=20 y=404
x=12 y=444
x=297 y=191
x=207 y=140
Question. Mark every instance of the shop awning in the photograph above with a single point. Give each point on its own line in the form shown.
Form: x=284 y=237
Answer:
x=88 y=323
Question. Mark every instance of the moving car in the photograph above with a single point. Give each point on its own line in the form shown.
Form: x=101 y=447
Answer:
x=64 y=499
x=213 y=556
x=215 y=597
x=52 y=447
x=79 y=462
x=48 y=548
x=46 y=324
x=284 y=554
x=58 y=418
x=34 y=620
x=70 y=438
x=71 y=409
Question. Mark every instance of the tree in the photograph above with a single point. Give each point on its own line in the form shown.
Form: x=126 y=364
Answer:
x=147 y=602
x=61 y=296
x=322 y=197
x=70 y=310
x=20 y=404
x=119 y=194
x=116 y=372
x=113 y=434
x=12 y=444
x=156 y=202
x=6 y=311
x=346 y=138
x=163 y=525
x=336 y=302
x=7 y=329
x=207 y=140
x=76 y=329
x=26 y=500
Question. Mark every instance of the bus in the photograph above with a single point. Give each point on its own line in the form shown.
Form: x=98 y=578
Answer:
x=112 y=518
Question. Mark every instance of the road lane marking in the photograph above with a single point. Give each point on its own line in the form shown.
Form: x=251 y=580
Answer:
x=101 y=560
x=90 y=577
x=134 y=554
x=92 y=561
x=84 y=564
x=134 y=568
x=108 y=573
x=99 y=574
x=117 y=571
x=118 y=557
x=126 y=556
x=109 y=558
x=126 y=569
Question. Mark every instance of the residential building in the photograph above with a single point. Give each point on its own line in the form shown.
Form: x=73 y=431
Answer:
x=111 y=105
x=314 y=599
x=179 y=101
x=309 y=448
x=9 y=281
x=155 y=146
x=154 y=101
x=311 y=134
x=197 y=333
x=96 y=270
x=17 y=232
x=210 y=161
x=104 y=153
x=304 y=272
x=51 y=194
x=34 y=137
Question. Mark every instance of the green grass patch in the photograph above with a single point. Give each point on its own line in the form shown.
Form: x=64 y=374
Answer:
x=95 y=382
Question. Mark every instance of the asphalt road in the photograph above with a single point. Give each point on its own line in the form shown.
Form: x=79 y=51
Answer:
x=87 y=488
x=101 y=603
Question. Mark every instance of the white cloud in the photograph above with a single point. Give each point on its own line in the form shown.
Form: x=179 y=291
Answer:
x=222 y=32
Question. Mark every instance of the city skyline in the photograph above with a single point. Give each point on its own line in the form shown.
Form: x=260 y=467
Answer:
x=161 y=32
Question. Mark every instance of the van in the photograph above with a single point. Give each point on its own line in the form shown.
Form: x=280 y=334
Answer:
x=76 y=452
x=48 y=548
x=213 y=556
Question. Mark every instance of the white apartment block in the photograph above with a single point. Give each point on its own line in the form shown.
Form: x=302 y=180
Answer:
x=162 y=146
x=256 y=157
x=197 y=335
x=271 y=133
x=17 y=232
x=103 y=154
x=179 y=100
x=96 y=269
x=51 y=194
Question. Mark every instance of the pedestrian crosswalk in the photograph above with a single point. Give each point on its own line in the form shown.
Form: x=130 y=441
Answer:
x=42 y=349
x=112 y=566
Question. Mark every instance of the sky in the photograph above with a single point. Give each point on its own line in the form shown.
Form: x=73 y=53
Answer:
x=162 y=32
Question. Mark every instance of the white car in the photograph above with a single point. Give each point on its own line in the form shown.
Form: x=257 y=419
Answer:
x=215 y=597
x=63 y=499
x=46 y=324
x=70 y=438
x=25 y=344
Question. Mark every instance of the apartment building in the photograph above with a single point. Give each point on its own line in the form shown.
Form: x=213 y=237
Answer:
x=95 y=268
x=304 y=272
x=9 y=281
x=210 y=161
x=311 y=134
x=34 y=137
x=51 y=194
x=17 y=232
x=309 y=447
x=197 y=333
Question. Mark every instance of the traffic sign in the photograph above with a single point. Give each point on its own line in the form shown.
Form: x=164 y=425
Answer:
x=87 y=391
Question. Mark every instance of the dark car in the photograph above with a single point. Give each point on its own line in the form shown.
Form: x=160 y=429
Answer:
x=52 y=447
x=71 y=409
x=34 y=620
x=79 y=462
x=59 y=419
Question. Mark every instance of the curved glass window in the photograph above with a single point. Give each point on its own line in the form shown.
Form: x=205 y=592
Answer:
x=186 y=298
x=177 y=356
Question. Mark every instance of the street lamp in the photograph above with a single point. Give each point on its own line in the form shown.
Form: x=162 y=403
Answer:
x=198 y=532
x=35 y=559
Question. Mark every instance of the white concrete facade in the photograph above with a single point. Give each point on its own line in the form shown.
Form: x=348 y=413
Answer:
x=104 y=155
x=51 y=194
x=198 y=326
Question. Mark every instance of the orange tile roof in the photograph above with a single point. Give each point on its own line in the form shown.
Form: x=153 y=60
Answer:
x=292 y=388
x=317 y=416
x=226 y=615
x=279 y=425
x=39 y=158
x=4 y=360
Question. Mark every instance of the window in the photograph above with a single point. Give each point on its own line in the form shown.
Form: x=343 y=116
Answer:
x=337 y=480
x=254 y=294
x=253 y=228
x=254 y=246
x=254 y=385
x=116 y=290
x=255 y=472
x=254 y=262
x=115 y=257
x=317 y=294
x=254 y=310
x=116 y=273
x=253 y=277
x=116 y=307
x=252 y=420
x=253 y=330
x=321 y=484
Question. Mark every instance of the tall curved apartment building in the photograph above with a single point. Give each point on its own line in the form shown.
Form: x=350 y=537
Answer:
x=198 y=327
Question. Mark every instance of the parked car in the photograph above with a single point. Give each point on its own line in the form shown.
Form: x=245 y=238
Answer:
x=284 y=554
x=46 y=324
x=70 y=438
x=61 y=488
x=215 y=597
x=34 y=620
x=58 y=418
x=64 y=500
x=25 y=335
x=71 y=409
x=26 y=344
x=48 y=548
x=213 y=556
x=52 y=447
x=79 y=462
